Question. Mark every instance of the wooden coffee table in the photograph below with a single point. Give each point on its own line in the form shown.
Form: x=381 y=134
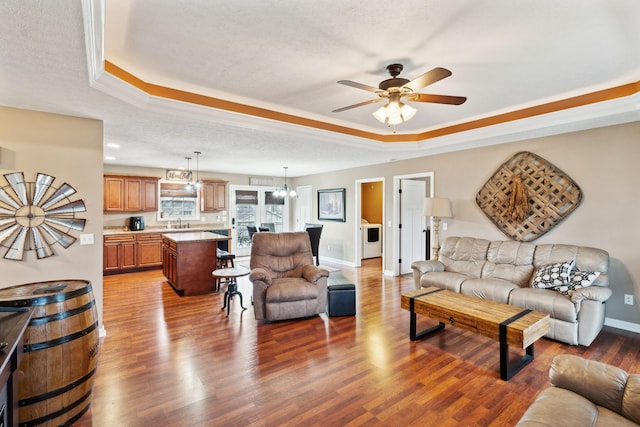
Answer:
x=511 y=326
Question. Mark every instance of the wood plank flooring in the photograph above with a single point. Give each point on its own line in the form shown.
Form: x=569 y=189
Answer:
x=179 y=361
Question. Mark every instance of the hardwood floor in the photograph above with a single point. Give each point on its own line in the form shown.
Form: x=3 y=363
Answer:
x=179 y=361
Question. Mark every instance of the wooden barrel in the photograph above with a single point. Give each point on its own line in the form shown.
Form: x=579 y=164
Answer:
x=61 y=345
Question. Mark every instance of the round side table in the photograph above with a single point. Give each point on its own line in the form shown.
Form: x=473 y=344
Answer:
x=231 y=274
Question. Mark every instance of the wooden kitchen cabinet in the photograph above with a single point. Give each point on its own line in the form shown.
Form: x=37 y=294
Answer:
x=214 y=196
x=119 y=252
x=149 y=247
x=127 y=252
x=130 y=193
x=189 y=259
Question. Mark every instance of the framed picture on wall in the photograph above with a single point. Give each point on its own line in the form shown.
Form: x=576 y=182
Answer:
x=331 y=205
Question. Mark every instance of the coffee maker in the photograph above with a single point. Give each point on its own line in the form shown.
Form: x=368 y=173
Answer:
x=136 y=223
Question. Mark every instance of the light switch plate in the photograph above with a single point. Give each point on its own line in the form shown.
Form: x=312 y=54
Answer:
x=86 y=239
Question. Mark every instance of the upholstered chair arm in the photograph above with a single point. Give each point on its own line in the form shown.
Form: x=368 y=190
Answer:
x=311 y=273
x=260 y=274
x=421 y=267
x=595 y=293
x=602 y=384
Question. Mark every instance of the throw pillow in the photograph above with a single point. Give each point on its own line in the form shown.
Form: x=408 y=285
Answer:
x=579 y=279
x=550 y=276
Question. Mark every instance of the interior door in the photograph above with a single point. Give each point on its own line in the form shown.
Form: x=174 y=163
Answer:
x=413 y=230
x=304 y=205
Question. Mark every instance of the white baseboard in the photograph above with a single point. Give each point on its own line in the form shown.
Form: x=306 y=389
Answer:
x=621 y=324
x=336 y=261
x=102 y=332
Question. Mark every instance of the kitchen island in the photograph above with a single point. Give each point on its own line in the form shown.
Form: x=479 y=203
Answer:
x=188 y=260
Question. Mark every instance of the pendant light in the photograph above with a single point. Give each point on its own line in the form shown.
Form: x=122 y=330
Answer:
x=188 y=186
x=284 y=191
x=198 y=183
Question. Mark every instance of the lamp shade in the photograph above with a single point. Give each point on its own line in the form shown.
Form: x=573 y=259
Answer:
x=437 y=206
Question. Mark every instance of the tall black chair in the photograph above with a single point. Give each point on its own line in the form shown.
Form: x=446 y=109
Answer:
x=314 y=231
x=270 y=226
x=252 y=230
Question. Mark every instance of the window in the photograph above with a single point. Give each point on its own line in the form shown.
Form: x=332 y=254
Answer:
x=177 y=201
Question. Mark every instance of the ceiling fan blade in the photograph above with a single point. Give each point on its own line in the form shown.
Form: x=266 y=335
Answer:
x=428 y=78
x=437 y=99
x=360 y=86
x=373 y=101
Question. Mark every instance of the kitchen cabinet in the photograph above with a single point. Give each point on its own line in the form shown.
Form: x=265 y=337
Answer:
x=130 y=193
x=188 y=259
x=149 y=249
x=213 y=196
x=119 y=252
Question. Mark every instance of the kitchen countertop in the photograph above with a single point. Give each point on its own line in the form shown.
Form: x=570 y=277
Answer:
x=162 y=230
x=197 y=236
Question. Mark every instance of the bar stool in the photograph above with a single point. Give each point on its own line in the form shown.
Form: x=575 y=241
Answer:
x=224 y=260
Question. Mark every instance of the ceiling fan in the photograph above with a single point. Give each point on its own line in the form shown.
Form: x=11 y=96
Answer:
x=397 y=89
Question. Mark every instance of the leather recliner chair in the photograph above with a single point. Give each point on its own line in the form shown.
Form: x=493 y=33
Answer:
x=286 y=283
x=585 y=393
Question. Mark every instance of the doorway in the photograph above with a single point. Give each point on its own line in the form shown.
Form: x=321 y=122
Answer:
x=411 y=238
x=370 y=216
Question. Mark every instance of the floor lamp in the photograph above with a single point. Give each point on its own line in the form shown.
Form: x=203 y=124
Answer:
x=437 y=208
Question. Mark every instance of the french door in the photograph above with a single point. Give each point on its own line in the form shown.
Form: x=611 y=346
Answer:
x=256 y=207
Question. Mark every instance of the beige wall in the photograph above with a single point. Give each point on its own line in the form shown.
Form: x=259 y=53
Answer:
x=70 y=149
x=602 y=161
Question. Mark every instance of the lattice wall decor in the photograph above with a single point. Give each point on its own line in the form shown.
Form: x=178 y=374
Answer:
x=35 y=215
x=551 y=194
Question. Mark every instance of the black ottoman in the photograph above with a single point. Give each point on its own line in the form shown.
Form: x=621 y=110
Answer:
x=341 y=300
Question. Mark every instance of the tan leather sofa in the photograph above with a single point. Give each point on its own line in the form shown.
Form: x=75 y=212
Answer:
x=585 y=393
x=503 y=270
x=286 y=283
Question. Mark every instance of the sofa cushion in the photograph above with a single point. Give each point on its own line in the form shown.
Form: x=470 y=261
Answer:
x=549 y=276
x=465 y=255
x=443 y=280
x=509 y=260
x=547 y=301
x=579 y=280
x=494 y=289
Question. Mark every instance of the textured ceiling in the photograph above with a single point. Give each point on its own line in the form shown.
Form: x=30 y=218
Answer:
x=286 y=57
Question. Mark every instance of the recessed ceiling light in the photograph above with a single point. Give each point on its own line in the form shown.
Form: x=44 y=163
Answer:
x=113 y=145
x=109 y=158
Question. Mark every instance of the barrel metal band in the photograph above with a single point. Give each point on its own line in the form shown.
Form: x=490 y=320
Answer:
x=59 y=341
x=57 y=392
x=34 y=302
x=58 y=413
x=61 y=315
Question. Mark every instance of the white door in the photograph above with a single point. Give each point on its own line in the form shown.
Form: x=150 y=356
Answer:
x=255 y=206
x=304 y=205
x=413 y=231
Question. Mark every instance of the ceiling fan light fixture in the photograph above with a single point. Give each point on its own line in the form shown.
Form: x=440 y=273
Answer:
x=407 y=112
x=380 y=114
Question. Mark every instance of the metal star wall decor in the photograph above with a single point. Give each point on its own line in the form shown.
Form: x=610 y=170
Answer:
x=36 y=215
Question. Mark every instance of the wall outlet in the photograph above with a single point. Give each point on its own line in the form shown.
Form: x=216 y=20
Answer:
x=628 y=299
x=444 y=226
